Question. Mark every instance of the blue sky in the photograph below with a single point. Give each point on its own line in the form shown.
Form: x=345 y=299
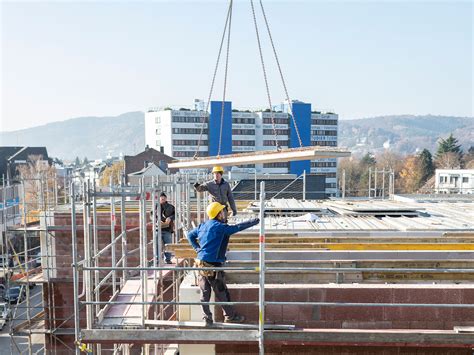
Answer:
x=67 y=59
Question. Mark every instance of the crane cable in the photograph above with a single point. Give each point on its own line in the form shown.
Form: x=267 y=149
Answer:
x=265 y=77
x=225 y=78
x=290 y=103
x=204 y=114
x=227 y=29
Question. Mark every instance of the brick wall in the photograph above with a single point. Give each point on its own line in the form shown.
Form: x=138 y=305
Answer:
x=354 y=317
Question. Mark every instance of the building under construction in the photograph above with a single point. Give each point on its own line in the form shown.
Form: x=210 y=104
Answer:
x=370 y=276
x=384 y=275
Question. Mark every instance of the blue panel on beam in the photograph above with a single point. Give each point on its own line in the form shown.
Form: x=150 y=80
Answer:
x=215 y=128
x=302 y=113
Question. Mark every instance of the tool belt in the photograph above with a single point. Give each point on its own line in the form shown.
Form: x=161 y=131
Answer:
x=206 y=273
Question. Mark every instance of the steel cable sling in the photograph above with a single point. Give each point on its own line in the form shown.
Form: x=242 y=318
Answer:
x=203 y=121
x=227 y=29
x=290 y=103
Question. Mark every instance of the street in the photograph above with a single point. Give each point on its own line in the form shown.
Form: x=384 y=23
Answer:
x=6 y=345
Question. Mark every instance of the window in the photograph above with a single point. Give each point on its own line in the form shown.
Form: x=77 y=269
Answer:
x=189 y=131
x=243 y=120
x=324 y=122
x=189 y=119
x=323 y=164
x=188 y=142
x=279 y=132
x=465 y=179
x=243 y=132
x=189 y=154
x=324 y=133
x=243 y=143
x=276 y=165
x=331 y=185
x=158 y=120
x=158 y=143
x=324 y=143
x=279 y=120
x=158 y=131
x=270 y=143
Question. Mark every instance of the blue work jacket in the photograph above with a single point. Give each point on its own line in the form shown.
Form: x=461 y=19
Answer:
x=210 y=239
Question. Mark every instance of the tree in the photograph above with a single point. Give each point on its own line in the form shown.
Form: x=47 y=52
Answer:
x=447 y=145
x=352 y=176
x=368 y=160
x=426 y=165
x=115 y=171
x=77 y=162
x=411 y=174
x=85 y=161
x=38 y=178
x=469 y=158
x=448 y=160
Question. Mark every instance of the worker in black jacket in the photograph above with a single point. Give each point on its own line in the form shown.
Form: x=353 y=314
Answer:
x=166 y=223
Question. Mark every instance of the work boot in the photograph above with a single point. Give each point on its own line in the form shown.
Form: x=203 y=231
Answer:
x=235 y=319
x=208 y=322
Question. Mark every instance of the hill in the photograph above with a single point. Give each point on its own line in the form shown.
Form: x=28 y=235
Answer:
x=92 y=137
x=405 y=134
x=98 y=137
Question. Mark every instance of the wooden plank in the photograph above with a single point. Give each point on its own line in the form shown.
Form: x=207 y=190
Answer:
x=340 y=246
x=190 y=324
x=168 y=336
x=408 y=337
x=296 y=240
x=266 y=156
x=460 y=329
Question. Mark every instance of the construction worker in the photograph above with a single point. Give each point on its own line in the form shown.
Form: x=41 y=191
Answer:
x=210 y=240
x=166 y=223
x=219 y=189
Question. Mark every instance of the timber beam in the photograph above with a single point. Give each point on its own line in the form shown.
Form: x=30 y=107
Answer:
x=259 y=157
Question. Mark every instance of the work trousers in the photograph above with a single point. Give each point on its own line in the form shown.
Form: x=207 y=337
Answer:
x=166 y=238
x=216 y=283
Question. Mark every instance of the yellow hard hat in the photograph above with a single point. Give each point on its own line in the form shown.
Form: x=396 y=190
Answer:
x=213 y=209
x=218 y=169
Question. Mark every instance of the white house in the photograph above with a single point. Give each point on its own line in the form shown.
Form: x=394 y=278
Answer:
x=454 y=181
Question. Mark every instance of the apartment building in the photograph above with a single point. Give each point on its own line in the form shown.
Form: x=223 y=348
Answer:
x=178 y=131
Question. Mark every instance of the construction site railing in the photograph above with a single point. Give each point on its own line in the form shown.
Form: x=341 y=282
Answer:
x=182 y=189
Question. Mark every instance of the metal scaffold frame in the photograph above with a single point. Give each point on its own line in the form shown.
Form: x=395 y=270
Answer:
x=36 y=196
x=96 y=286
x=257 y=333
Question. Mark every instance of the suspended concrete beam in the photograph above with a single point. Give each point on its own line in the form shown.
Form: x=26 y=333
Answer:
x=259 y=157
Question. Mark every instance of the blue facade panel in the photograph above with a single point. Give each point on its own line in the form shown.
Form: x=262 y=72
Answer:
x=302 y=113
x=215 y=128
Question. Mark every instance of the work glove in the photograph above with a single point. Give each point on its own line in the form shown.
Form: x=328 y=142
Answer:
x=196 y=185
x=255 y=221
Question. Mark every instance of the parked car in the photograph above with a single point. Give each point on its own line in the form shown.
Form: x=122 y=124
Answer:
x=4 y=314
x=15 y=294
x=37 y=259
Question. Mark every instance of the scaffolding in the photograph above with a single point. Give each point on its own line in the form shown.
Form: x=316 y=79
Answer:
x=25 y=254
x=122 y=292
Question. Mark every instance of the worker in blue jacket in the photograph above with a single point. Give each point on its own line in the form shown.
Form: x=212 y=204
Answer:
x=210 y=240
